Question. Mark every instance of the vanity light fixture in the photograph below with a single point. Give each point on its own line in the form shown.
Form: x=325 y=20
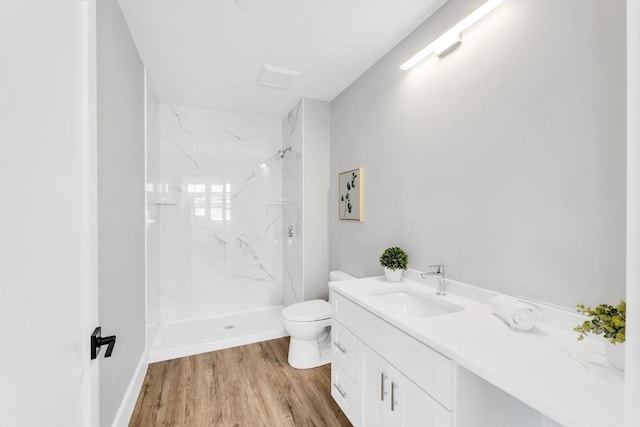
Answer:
x=451 y=39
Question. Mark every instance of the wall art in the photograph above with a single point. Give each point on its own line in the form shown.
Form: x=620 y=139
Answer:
x=350 y=195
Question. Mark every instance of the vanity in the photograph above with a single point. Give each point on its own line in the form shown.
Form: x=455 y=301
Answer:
x=404 y=356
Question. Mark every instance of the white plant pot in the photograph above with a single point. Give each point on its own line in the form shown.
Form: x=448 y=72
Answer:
x=615 y=355
x=392 y=275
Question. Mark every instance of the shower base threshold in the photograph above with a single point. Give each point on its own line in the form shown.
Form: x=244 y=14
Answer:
x=186 y=338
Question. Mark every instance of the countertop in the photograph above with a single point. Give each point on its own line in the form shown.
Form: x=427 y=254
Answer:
x=546 y=367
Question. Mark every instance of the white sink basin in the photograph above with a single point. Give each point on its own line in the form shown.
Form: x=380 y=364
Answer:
x=411 y=303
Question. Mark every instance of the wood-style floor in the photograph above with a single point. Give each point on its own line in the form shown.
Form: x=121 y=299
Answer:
x=252 y=385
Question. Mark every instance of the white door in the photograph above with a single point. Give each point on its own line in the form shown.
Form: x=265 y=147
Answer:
x=48 y=285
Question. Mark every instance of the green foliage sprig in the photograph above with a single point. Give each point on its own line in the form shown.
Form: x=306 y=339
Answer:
x=394 y=259
x=606 y=319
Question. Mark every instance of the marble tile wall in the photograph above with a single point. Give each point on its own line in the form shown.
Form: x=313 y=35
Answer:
x=217 y=208
x=292 y=136
x=153 y=235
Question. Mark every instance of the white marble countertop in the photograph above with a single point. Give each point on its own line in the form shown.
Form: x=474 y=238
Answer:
x=547 y=368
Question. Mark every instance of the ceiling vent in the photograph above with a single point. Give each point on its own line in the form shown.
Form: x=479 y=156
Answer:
x=244 y=4
x=277 y=77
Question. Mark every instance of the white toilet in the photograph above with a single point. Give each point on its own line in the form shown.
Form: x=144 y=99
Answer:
x=309 y=325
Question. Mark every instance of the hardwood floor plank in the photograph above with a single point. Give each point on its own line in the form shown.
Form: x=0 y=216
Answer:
x=252 y=385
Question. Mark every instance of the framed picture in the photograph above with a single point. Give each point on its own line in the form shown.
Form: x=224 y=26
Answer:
x=350 y=195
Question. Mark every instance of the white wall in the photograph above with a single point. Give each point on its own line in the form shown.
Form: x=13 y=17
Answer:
x=505 y=160
x=315 y=177
x=632 y=372
x=121 y=205
x=45 y=320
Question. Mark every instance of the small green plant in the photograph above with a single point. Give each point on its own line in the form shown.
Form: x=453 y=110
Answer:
x=394 y=259
x=606 y=319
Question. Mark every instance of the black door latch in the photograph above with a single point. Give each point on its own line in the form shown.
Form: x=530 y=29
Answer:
x=97 y=341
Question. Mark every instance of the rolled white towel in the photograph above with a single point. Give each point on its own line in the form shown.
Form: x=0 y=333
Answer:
x=515 y=313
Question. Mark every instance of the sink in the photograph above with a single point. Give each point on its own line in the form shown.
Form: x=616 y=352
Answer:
x=411 y=303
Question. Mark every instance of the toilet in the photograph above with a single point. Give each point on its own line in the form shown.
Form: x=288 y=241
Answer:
x=309 y=325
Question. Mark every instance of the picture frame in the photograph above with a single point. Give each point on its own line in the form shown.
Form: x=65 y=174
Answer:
x=350 y=184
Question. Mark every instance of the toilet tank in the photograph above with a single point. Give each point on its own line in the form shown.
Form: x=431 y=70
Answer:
x=337 y=276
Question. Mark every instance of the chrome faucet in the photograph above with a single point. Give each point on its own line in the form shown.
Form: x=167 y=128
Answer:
x=438 y=270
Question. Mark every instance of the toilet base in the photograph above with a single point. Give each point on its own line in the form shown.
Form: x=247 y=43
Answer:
x=305 y=354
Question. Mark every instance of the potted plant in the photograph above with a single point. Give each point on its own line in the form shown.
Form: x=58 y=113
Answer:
x=609 y=321
x=394 y=260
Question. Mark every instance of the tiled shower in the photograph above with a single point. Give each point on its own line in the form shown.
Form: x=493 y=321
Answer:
x=224 y=250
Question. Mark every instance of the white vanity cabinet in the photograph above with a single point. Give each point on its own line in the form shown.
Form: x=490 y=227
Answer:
x=372 y=362
x=386 y=371
x=389 y=398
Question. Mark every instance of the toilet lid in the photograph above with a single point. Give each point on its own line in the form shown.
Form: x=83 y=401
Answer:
x=308 y=311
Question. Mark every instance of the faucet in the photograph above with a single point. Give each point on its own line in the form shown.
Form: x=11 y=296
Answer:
x=438 y=270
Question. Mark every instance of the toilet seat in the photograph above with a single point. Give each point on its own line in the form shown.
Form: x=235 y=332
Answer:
x=308 y=311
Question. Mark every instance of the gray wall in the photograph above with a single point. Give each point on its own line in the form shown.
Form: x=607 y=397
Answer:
x=505 y=161
x=315 y=177
x=121 y=203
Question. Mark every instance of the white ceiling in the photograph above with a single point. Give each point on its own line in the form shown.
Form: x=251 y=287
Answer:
x=209 y=53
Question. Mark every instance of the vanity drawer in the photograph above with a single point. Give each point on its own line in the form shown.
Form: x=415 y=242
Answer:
x=428 y=369
x=343 y=348
x=344 y=391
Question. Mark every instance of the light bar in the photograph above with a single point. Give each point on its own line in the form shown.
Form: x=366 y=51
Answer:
x=448 y=41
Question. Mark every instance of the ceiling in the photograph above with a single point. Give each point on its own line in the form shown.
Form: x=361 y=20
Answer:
x=209 y=53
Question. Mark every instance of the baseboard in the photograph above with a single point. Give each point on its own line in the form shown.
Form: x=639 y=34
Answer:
x=133 y=390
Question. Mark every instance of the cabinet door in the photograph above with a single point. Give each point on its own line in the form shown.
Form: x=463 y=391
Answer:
x=373 y=388
x=415 y=408
x=389 y=399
